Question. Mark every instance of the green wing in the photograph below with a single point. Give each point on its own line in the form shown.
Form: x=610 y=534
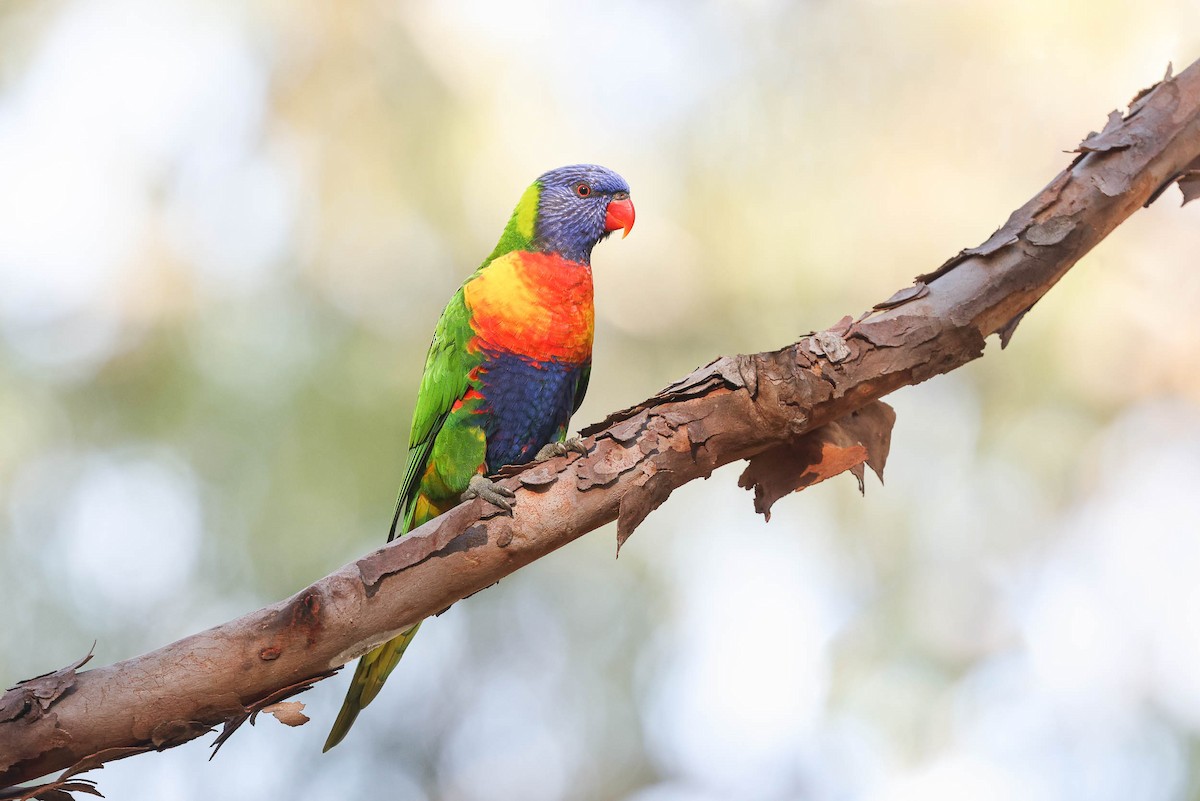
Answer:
x=446 y=378
x=418 y=460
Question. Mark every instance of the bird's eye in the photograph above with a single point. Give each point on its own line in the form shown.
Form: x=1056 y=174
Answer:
x=582 y=189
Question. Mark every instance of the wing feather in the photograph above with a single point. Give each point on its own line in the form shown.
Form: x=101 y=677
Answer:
x=445 y=381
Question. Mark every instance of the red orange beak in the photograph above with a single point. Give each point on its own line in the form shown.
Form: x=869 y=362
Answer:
x=619 y=216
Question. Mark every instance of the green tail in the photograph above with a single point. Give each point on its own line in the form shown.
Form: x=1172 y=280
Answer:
x=369 y=676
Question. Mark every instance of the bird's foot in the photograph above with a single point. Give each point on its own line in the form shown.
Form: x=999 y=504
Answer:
x=483 y=487
x=552 y=449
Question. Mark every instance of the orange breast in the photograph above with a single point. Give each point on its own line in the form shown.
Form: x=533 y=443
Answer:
x=533 y=304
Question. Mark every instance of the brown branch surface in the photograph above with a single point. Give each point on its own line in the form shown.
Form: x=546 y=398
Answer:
x=760 y=407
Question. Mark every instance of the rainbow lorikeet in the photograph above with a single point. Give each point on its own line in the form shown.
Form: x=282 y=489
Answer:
x=509 y=364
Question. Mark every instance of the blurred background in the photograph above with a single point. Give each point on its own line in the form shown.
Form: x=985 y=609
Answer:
x=226 y=232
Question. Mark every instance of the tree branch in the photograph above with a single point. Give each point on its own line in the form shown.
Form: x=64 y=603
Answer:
x=764 y=407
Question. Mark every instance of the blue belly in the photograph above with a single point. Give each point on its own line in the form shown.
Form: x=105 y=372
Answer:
x=526 y=404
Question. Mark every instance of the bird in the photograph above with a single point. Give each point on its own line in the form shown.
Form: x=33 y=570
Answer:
x=509 y=364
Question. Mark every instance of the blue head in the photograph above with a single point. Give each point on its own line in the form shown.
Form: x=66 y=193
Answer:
x=577 y=206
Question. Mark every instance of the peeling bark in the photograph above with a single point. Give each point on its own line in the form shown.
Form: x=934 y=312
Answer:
x=862 y=437
x=768 y=407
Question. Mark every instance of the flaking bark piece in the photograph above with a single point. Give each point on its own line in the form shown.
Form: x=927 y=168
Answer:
x=652 y=486
x=726 y=370
x=1112 y=182
x=895 y=332
x=289 y=713
x=1010 y=232
x=862 y=437
x=32 y=698
x=57 y=790
x=1140 y=99
x=29 y=702
x=648 y=492
x=177 y=732
x=1050 y=232
x=96 y=761
x=404 y=552
x=1008 y=329
x=841 y=327
x=521 y=470
x=606 y=464
x=731 y=372
x=1189 y=185
x=783 y=470
x=872 y=425
x=538 y=477
x=830 y=345
x=910 y=293
x=61 y=788
x=627 y=431
x=271 y=704
x=1115 y=136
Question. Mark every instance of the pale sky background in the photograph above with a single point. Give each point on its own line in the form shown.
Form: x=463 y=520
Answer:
x=226 y=232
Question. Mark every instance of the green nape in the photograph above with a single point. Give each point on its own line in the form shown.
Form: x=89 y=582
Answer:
x=521 y=226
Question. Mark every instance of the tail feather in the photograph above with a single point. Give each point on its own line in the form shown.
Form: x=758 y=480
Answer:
x=372 y=671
